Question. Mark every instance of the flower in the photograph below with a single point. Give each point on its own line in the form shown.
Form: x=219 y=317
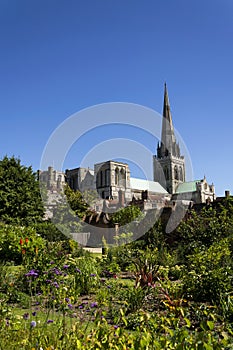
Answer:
x=33 y=324
x=32 y=273
x=21 y=241
x=115 y=327
x=26 y=316
x=56 y=285
x=94 y=304
x=26 y=240
x=50 y=321
x=34 y=313
x=65 y=266
x=93 y=274
x=67 y=300
x=70 y=306
x=77 y=270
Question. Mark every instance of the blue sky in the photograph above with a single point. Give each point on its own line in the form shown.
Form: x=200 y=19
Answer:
x=58 y=57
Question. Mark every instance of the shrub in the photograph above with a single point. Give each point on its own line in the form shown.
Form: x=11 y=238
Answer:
x=209 y=273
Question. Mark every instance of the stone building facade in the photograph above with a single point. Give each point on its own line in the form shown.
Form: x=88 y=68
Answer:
x=53 y=179
x=112 y=181
x=80 y=179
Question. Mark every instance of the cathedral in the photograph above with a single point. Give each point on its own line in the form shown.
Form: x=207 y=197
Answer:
x=113 y=182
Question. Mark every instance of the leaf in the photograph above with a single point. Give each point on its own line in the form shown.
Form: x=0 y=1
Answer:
x=210 y=325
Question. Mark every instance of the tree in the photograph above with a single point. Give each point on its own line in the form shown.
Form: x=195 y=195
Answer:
x=20 y=199
x=76 y=201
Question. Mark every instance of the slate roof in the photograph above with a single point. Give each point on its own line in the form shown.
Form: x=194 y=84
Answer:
x=143 y=185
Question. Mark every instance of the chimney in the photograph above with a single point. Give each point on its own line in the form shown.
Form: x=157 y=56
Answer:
x=227 y=194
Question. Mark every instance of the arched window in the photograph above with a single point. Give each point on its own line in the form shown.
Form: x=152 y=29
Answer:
x=166 y=173
x=107 y=179
x=122 y=177
x=181 y=174
x=101 y=178
x=116 y=176
x=176 y=173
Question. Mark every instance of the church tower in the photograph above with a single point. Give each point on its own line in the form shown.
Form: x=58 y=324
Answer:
x=169 y=167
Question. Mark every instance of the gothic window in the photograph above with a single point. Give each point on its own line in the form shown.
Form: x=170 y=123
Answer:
x=107 y=172
x=176 y=175
x=116 y=176
x=181 y=174
x=166 y=174
x=122 y=177
x=101 y=178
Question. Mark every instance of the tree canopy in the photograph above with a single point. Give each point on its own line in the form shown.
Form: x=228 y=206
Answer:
x=20 y=199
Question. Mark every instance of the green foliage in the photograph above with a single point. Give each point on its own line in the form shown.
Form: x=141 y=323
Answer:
x=20 y=200
x=126 y=215
x=49 y=231
x=205 y=228
x=18 y=243
x=209 y=273
x=180 y=301
x=76 y=201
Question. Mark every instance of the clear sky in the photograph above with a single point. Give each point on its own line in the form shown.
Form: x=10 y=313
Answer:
x=58 y=57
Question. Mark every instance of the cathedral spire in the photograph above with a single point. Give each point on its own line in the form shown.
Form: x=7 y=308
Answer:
x=169 y=167
x=168 y=137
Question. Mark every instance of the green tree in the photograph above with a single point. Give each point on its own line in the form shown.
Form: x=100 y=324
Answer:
x=76 y=201
x=20 y=199
x=126 y=215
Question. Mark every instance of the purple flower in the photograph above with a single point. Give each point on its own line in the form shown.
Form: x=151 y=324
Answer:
x=77 y=270
x=26 y=316
x=32 y=273
x=50 y=321
x=33 y=324
x=94 y=304
x=65 y=266
x=52 y=262
x=67 y=300
x=56 y=285
x=93 y=274
x=57 y=271
x=34 y=313
x=70 y=306
x=115 y=327
x=80 y=307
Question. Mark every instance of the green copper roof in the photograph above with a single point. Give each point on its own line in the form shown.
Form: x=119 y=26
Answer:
x=187 y=187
